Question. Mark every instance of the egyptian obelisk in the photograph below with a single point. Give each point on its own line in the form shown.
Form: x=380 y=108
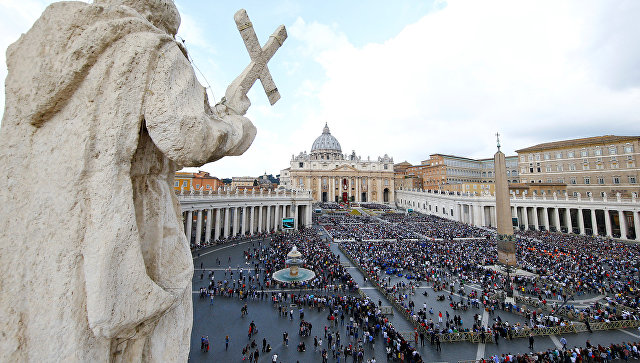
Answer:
x=506 y=243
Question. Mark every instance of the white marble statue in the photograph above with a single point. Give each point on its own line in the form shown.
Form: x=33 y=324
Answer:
x=102 y=107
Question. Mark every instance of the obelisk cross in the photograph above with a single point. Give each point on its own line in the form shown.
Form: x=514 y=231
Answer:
x=498 y=140
x=258 y=69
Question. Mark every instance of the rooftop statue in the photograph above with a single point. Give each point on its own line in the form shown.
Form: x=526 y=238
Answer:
x=102 y=107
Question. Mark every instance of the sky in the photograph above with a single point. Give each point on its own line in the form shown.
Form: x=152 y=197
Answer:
x=410 y=78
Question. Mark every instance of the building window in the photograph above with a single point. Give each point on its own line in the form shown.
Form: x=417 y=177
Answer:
x=583 y=153
x=561 y=180
x=614 y=165
x=538 y=167
x=185 y=183
x=570 y=154
x=537 y=157
x=614 y=158
x=385 y=166
x=575 y=194
x=602 y=194
x=632 y=179
x=587 y=180
x=559 y=155
x=530 y=157
x=522 y=158
x=572 y=167
x=600 y=180
x=208 y=186
x=176 y=184
x=560 y=167
x=549 y=180
x=598 y=151
x=616 y=180
x=301 y=165
x=548 y=168
x=547 y=156
x=572 y=180
x=628 y=148
x=613 y=150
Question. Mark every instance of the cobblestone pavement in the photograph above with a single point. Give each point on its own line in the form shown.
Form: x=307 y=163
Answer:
x=222 y=317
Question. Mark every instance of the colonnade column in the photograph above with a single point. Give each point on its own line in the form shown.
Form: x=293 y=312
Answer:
x=636 y=224
x=594 y=223
x=207 y=231
x=556 y=219
x=244 y=221
x=296 y=223
x=581 y=221
x=235 y=221
x=535 y=219
x=226 y=222
x=623 y=224
x=259 y=219
x=607 y=223
x=268 y=228
x=546 y=219
x=189 y=225
x=199 y=227
x=309 y=215
x=216 y=228
x=252 y=220
x=525 y=216
x=276 y=222
x=567 y=216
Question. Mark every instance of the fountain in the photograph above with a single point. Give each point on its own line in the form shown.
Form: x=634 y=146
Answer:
x=294 y=273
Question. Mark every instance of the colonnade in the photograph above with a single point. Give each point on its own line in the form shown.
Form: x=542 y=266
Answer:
x=610 y=217
x=212 y=217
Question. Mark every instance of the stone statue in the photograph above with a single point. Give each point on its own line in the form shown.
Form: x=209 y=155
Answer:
x=102 y=107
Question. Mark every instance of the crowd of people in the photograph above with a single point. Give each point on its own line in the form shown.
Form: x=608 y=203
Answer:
x=331 y=292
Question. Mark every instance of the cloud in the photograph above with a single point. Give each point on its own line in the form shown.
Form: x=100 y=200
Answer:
x=536 y=72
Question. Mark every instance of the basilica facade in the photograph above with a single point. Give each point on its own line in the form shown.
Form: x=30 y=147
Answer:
x=334 y=176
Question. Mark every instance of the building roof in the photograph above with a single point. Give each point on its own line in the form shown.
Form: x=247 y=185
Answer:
x=606 y=139
x=326 y=142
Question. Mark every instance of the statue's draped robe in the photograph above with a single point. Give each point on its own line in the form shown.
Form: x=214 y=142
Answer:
x=101 y=108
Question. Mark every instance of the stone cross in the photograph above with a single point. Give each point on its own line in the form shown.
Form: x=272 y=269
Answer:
x=258 y=69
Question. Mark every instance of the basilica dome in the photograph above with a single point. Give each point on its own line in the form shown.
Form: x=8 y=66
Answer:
x=326 y=143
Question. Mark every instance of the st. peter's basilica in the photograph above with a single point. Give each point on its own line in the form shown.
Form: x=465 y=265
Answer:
x=333 y=176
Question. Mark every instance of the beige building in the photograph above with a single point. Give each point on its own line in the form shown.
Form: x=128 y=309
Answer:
x=333 y=176
x=459 y=174
x=588 y=166
x=242 y=181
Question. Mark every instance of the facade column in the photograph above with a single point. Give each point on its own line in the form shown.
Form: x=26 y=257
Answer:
x=581 y=221
x=319 y=192
x=607 y=223
x=567 y=215
x=357 y=196
x=623 y=224
x=207 y=231
x=216 y=228
x=525 y=216
x=244 y=221
x=556 y=218
x=636 y=224
x=546 y=219
x=226 y=222
x=309 y=211
x=199 y=227
x=535 y=219
x=594 y=223
x=189 y=225
x=259 y=219
x=296 y=223
x=268 y=229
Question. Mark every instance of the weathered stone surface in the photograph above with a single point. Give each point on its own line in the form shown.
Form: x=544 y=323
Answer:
x=102 y=107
